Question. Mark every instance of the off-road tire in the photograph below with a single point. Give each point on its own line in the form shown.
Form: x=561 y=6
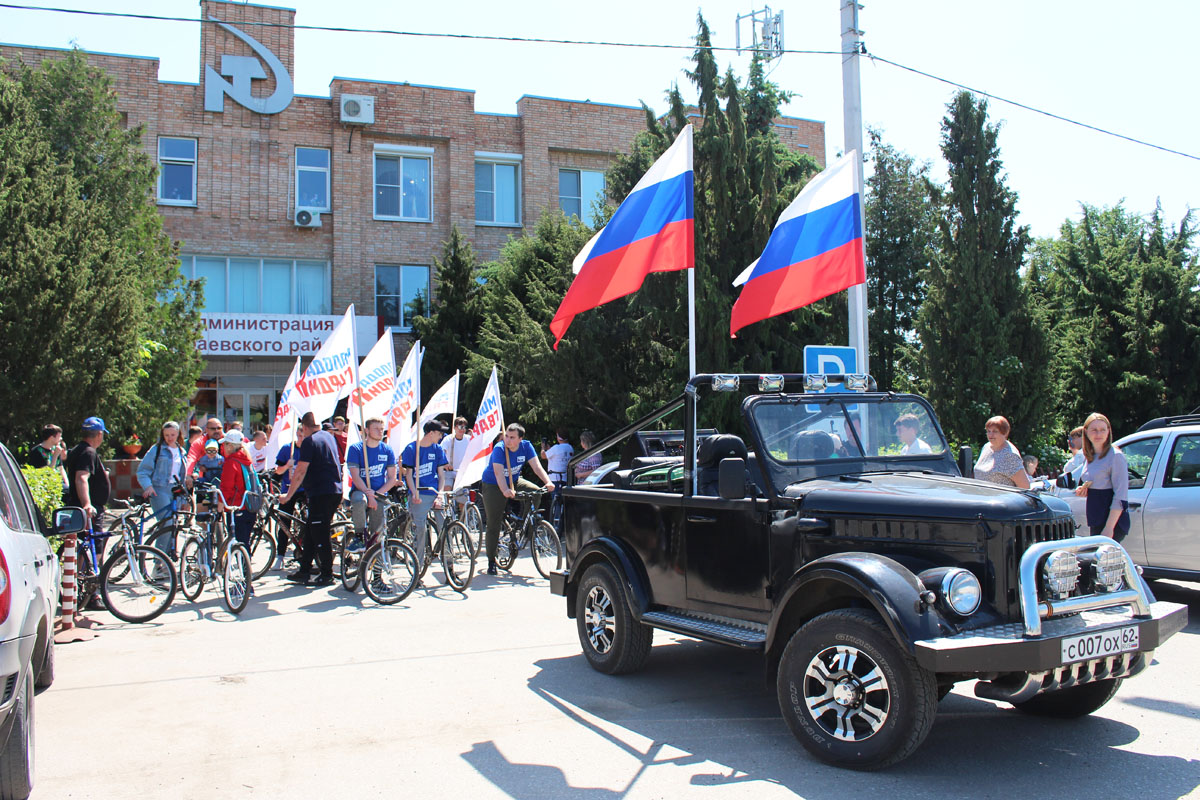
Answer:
x=16 y=758
x=613 y=641
x=45 y=673
x=903 y=703
x=1077 y=701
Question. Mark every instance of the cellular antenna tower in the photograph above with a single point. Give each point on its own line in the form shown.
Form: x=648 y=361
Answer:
x=766 y=33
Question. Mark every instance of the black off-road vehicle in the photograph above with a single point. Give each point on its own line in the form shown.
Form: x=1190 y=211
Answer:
x=851 y=551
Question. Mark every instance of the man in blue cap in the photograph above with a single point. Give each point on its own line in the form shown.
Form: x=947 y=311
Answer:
x=89 y=487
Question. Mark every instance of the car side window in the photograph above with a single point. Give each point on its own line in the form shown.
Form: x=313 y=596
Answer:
x=1184 y=467
x=13 y=506
x=1140 y=456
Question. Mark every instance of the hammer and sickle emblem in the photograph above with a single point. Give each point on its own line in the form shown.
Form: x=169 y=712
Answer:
x=242 y=70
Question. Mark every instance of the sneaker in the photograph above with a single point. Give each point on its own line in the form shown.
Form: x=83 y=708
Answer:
x=297 y=577
x=355 y=546
x=491 y=570
x=322 y=580
x=278 y=564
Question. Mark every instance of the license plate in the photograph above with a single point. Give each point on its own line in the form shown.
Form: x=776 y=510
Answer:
x=1099 y=644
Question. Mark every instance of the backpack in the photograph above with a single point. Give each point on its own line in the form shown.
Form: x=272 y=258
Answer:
x=254 y=495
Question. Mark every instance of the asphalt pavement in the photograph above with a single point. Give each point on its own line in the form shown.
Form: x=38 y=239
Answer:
x=318 y=693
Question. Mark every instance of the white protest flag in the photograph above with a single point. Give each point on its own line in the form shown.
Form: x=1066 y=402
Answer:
x=352 y=438
x=405 y=400
x=444 y=400
x=376 y=383
x=283 y=431
x=331 y=374
x=489 y=423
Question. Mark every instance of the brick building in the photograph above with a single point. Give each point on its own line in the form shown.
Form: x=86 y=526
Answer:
x=293 y=206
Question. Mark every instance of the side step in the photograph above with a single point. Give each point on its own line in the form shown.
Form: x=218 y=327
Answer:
x=724 y=630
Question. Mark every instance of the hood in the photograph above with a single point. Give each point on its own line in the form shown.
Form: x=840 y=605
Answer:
x=240 y=457
x=890 y=494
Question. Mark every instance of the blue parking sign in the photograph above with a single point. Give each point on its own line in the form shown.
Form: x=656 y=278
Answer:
x=823 y=359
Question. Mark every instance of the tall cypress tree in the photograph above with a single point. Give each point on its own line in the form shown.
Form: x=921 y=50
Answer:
x=982 y=350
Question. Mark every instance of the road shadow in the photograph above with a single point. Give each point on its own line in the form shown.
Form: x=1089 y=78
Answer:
x=704 y=706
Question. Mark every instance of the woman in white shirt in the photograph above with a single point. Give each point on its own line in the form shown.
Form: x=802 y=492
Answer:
x=1000 y=461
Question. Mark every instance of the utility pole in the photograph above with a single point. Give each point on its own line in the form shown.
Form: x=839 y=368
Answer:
x=852 y=116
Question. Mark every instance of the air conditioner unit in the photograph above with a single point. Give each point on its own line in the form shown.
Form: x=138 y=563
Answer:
x=358 y=109
x=307 y=217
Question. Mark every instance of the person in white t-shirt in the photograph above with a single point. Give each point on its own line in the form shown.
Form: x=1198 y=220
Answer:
x=258 y=451
x=907 y=426
x=557 y=457
x=456 y=450
x=1075 y=443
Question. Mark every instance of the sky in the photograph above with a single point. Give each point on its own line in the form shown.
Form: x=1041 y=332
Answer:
x=1127 y=68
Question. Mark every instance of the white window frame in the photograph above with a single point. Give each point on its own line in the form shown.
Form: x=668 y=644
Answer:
x=428 y=298
x=194 y=162
x=328 y=185
x=188 y=267
x=401 y=152
x=584 y=212
x=507 y=159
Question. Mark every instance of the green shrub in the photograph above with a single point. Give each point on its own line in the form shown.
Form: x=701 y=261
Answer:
x=46 y=485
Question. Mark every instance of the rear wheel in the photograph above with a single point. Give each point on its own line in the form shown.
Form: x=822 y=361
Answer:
x=851 y=694
x=262 y=552
x=16 y=759
x=353 y=549
x=1077 y=701
x=474 y=522
x=613 y=641
x=389 y=575
x=458 y=557
x=547 y=548
x=45 y=675
x=191 y=569
x=138 y=595
x=236 y=578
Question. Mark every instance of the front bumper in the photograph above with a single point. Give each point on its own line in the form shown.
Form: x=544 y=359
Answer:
x=1007 y=648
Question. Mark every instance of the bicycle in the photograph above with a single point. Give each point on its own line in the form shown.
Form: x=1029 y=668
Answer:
x=527 y=527
x=389 y=571
x=137 y=582
x=213 y=551
x=273 y=520
x=454 y=545
x=354 y=545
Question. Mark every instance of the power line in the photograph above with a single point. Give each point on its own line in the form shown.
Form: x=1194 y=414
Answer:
x=388 y=32
x=1050 y=114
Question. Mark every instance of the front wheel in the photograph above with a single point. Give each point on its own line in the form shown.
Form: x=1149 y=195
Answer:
x=458 y=556
x=262 y=551
x=1077 y=701
x=191 y=569
x=236 y=578
x=613 y=641
x=851 y=695
x=389 y=571
x=16 y=757
x=141 y=594
x=351 y=559
x=506 y=546
x=474 y=522
x=547 y=549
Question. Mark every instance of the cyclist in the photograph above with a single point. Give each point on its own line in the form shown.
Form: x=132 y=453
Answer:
x=235 y=474
x=502 y=477
x=430 y=476
x=372 y=465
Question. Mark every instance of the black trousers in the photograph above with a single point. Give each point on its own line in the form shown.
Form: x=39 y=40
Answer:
x=316 y=535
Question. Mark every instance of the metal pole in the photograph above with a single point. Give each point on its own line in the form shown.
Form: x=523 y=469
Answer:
x=852 y=115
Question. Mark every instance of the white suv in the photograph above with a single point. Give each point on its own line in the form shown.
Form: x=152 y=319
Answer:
x=29 y=589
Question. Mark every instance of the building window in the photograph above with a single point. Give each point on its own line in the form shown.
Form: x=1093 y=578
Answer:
x=261 y=285
x=176 y=171
x=403 y=183
x=578 y=190
x=400 y=292
x=497 y=189
x=312 y=178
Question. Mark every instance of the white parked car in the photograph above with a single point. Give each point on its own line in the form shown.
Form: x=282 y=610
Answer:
x=1164 y=497
x=29 y=589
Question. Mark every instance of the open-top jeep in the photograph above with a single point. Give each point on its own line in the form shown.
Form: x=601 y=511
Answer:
x=871 y=574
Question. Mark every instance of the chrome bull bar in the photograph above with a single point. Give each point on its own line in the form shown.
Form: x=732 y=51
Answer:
x=1033 y=612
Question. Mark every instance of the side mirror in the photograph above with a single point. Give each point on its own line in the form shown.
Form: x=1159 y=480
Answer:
x=966 y=461
x=70 y=520
x=731 y=479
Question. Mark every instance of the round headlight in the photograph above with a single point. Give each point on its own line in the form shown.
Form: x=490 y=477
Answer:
x=961 y=591
x=1061 y=571
x=1108 y=570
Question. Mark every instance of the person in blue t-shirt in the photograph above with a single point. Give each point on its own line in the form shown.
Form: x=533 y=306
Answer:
x=501 y=479
x=431 y=475
x=372 y=465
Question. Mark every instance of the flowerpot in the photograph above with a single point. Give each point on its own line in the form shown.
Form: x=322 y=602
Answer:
x=131 y=450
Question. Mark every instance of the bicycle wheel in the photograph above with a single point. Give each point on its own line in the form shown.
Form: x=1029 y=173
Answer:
x=262 y=552
x=163 y=536
x=235 y=579
x=547 y=548
x=507 y=545
x=191 y=569
x=389 y=577
x=140 y=594
x=458 y=556
x=353 y=549
x=474 y=522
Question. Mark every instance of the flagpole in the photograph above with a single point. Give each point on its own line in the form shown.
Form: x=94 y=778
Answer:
x=691 y=285
x=853 y=140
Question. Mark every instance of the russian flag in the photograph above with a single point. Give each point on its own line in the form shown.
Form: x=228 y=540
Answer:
x=815 y=250
x=650 y=232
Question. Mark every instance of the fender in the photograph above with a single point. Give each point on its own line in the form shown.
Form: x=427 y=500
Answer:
x=883 y=583
x=628 y=568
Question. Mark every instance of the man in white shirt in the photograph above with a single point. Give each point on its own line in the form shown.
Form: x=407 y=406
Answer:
x=456 y=450
x=258 y=451
x=1075 y=442
x=557 y=457
x=907 y=426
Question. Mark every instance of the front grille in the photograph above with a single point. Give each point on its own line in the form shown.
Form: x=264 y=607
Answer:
x=1031 y=533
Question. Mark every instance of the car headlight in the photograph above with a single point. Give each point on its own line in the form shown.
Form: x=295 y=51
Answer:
x=1108 y=568
x=1061 y=572
x=961 y=591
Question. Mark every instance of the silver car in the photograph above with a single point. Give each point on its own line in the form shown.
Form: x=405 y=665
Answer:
x=1164 y=497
